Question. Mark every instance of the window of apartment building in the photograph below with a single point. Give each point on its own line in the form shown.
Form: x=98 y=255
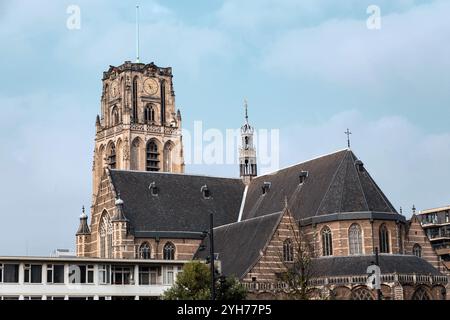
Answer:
x=447 y=217
x=104 y=274
x=55 y=273
x=55 y=298
x=148 y=275
x=32 y=298
x=33 y=273
x=169 y=275
x=10 y=273
x=81 y=274
x=121 y=275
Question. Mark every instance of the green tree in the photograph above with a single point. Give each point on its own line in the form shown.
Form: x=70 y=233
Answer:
x=194 y=283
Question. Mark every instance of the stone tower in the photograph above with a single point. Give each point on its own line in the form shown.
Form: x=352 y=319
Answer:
x=139 y=127
x=247 y=153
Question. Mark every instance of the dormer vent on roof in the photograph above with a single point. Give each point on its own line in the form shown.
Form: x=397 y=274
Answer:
x=359 y=165
x=153 y=188
x=266 y=187
x=205 y=191
x=302 y=176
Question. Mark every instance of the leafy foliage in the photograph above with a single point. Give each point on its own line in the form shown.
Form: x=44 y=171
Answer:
x=194 y=283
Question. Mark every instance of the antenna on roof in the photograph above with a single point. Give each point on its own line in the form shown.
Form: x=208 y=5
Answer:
x=137 y=34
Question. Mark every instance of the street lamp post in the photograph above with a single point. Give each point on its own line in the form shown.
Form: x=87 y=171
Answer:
x=211 y=253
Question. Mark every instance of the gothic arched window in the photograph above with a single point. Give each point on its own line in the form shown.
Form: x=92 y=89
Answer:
x=135 y=154
x=288 y=251
x=327 y=242
x=362 y=294
x=115 y=119
x=355 y=239
x=134 y=101
x=384 y=239
x=152 y=163
x=169 y=251
x=421 y=294
x=163 y=102
x=112 y=157
x=149 y=114
x=145 y=251
x=167 y=165
x=105 y=236
x=417 y=250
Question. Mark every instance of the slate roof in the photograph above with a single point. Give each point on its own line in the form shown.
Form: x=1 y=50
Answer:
x=179 y=209
x=334 y=185
x=357 y=265
x=239 y=244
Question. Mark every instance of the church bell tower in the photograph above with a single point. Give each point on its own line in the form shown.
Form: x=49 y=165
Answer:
x=139 y=127
x=247 y=153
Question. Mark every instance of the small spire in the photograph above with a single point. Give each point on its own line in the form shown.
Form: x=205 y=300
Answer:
x=137 y=34
x=119 y=215
x=414 y=209
x=83 y=228
x=401 y=210
x=246 y=110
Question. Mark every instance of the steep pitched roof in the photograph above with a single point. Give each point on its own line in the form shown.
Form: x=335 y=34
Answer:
x=334 y=185
x=239 y=244
x=179 y=206
x=357 y=265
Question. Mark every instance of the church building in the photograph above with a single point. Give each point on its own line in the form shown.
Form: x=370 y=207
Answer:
x=145 y=207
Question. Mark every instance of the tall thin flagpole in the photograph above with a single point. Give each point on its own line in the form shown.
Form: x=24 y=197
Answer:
x=137 y=34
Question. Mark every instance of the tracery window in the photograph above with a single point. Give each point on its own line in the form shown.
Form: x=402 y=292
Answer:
x=152 y=163
x=355 y=239
x=169 y=251
x=421 y=294
x=417 y=250
x=327 y=242
x=384 y=239
x=105 y=236
x=144 y=251
x=362 y=294
x=288 y=251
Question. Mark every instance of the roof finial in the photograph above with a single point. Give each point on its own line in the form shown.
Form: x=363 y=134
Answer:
x=401 y=210
x=246 y=110
x=83 y=213
x=348 y=133
x=414 y=209
x=137 y=34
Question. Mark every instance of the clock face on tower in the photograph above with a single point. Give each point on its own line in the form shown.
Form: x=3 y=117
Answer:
x=150 y=86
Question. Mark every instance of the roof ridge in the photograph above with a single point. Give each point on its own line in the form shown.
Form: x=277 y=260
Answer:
x=249 y=219
x=329 y=186
x=268 y=239
x=362 y=190
x=175 y=173
x=380 y=193
x=303 y=162
x=343 y=182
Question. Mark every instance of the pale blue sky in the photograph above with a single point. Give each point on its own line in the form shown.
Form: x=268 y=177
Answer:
x=310 y=68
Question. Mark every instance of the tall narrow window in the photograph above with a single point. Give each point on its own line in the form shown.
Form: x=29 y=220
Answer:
x=115 y=116
x=288 y=251
x=152 y=157
x=149 y=114
x=112 y=157
x=134 y=101
x=417 y=250
x=327 y=242
x=169 y=251
x=105 y=236
x=144 y=251
x=168 y=157
x=384 y=239
x=355 y=239
x=163 y=103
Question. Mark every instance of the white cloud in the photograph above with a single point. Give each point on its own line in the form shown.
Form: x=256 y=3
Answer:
x=410 y=165
x=410 y=49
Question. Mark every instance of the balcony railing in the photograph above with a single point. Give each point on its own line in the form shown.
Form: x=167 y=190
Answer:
x=256 y=286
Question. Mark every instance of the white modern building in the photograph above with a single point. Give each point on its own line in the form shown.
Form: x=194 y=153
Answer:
x=65 y=278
